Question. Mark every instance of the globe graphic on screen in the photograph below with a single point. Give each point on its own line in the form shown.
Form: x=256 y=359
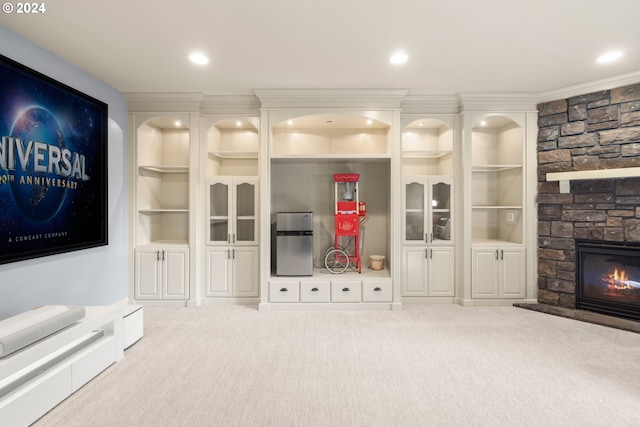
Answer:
x=38 y=203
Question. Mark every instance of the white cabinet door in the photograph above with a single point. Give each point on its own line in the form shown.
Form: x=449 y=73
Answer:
x=162 y=273
x=414 y=272
x=497 y=272
x=148 y=280
x=175 y=273
x=245 y=272
x=484 y=275
x=232 y=272
x=512 y=273
x=218 y=275
x=441 y=272
x=427 y=271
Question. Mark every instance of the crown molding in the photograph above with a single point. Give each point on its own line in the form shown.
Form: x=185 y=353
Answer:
x=331 y=98
x=230 y=104
x=505 y=101
x=590 y=87
x=164 y=102
x=428 y=104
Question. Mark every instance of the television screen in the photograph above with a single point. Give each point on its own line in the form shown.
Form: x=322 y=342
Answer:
x=53 y=166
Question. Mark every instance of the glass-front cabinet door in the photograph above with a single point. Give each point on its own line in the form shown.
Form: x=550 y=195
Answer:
x=245 y=212
x=440 y=211
x=232 y=205
x=218 y=204
x=428 y=213
x=414 y=212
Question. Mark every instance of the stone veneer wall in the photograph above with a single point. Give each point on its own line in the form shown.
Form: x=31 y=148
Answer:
x=600 y=130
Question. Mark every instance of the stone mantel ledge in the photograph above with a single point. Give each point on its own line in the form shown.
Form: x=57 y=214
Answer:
x=565 y=177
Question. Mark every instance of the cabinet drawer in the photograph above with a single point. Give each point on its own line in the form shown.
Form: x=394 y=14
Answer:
x=283 y=291
x=314 y=291
x=377 y=292
x=346 y=291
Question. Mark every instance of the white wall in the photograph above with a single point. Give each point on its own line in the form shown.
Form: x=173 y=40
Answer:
x=95 y=276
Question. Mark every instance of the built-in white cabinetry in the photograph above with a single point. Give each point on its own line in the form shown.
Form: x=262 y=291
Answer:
x=497 y=187
x=449 y=187
x=162 y=272
x=498 y=272
x=314 y=292
x=427 y=233
x=232 y=272
x=232 y=260
x=428 y=271
x=305 y=151
x=497 y=207
x=162 y=197
x=162 y=183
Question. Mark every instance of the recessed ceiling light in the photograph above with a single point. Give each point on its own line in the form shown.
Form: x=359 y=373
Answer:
x=178 y=123
x=399 y=58
x=239 y=123
x=369 y=122
x=199 y=58
x=608 y=57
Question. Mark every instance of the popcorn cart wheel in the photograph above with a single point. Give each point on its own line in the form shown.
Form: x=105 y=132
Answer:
x=336 y=260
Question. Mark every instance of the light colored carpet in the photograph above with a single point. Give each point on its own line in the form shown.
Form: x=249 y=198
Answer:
x=428 y=365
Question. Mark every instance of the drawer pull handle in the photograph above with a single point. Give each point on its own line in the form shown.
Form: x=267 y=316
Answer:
x=377 y=289
x=284 y=290
x=314 y=289
x=345 y=289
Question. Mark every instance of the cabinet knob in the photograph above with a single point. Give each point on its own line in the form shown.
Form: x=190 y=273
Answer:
x=345 y=289
x=377 y=289
x=314 y=289
x=284 y=290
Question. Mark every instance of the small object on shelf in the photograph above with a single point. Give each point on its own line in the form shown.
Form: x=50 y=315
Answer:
x=377 y=262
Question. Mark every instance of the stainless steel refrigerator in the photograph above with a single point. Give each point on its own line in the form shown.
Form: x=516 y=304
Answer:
x=294 y=243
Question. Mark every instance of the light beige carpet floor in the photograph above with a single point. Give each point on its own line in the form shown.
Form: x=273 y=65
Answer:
x=428 y=365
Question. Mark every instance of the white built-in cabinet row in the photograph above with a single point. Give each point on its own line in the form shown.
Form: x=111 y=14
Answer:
x=460 y=234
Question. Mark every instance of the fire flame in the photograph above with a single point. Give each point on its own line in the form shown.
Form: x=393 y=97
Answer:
x=617 y=276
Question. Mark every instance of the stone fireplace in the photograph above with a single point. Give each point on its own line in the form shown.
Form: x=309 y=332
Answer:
x=595 y=131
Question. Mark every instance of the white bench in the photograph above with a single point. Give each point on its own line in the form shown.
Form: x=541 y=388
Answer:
x=38 y=376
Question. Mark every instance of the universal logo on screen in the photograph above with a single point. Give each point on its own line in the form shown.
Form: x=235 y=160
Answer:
x=37 y=164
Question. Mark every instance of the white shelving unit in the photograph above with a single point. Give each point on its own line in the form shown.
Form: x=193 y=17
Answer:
x=304 y=153
x=428 y=216
x=163 y=214
x=231 y=209
x=497 y=208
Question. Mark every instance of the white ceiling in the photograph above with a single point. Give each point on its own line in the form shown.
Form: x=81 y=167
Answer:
x=453 y=45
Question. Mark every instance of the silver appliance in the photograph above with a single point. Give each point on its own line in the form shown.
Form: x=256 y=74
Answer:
x=294 y=243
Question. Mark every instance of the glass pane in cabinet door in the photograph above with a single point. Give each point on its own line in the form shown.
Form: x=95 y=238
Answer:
x=414 y=226
x=246 y=230
x=414 y=211
x=219 y=199
x=414 y=196
x=441 y=208
x=219 y=230
x=245 y=200
x=441 y=196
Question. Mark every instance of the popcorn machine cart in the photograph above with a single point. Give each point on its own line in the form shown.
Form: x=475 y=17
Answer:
x=348 y=210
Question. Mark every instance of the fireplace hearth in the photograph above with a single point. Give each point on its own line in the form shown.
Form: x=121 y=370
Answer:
x=608 y=278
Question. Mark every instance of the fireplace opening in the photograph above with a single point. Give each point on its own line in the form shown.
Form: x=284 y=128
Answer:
x=608 y=278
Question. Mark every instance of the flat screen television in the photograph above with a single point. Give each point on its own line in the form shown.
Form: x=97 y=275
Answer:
x=53 y=166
